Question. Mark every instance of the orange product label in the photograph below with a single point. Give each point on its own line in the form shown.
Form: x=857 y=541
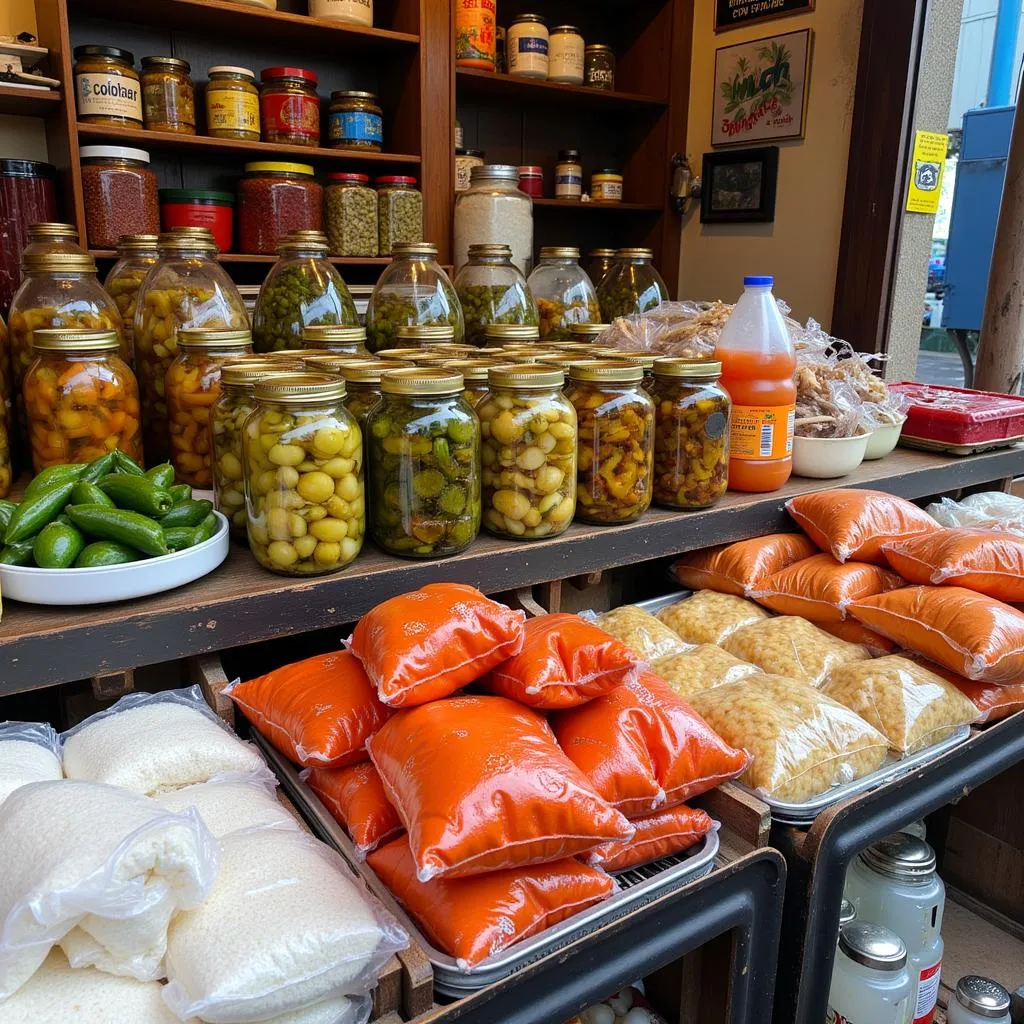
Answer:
x=762 y=432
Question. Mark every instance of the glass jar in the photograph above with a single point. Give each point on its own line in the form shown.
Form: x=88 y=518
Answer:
x=275 y=199
x=606 y=185
x=107 y=87
x=424 y=336
x=475 y=35
x=412 y=290
x=531 y=180
x=565 y=55
x=691 y=433
x=303 y=289
x=599 y=262
x=616 y=441
x=339 y=338
x=304 y=490
x=569 y=174
x=492 y=291
x=465 y=161
x=584 y=336
x=120 y=194
x=27 y=197
x=493 y=209
x=474 y=376
x=81 y=398
x=599 y=67
x=289 y=106
x=563 y=292
x=424 y=464
x=362 y=379
x=631 y=286
x=168 y=97
x=355 y=121
x=186 y=288
x=6 y=415
x=526 y=47
x=399 y=212
x=528 y=453
x=645 y=360
x=136 y=255
x=192 y=386
x=978 y=1000
x=232 y=104
x=500 y=50
x=351 y=215
x=870 y=980
x=358 y=12
x=512 y=338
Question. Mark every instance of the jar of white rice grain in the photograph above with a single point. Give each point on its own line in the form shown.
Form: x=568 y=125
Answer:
x=492 y=210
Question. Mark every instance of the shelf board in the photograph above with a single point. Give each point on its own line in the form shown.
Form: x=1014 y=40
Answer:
x=201 y=144
x=576 y=206
x=16 y=99
x=470 y=82
x=242 y=257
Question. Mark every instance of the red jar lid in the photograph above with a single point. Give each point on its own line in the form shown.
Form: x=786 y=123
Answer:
x=395 y=179
x=342 y=176
x=285 y=72
x=531 y=171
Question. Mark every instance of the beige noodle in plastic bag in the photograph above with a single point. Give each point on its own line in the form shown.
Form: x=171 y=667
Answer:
x=700 y=669
x=641 y=632
x=708 y=617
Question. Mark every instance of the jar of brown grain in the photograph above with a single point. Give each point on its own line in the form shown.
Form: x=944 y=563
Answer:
x=120 y=194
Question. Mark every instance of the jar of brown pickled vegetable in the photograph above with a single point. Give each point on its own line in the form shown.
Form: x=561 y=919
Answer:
x=528 y=452
x=336 y=338
x=168 y=96
x=107 y=87
x=691 y=434
x=616 y=441
x=81 y=398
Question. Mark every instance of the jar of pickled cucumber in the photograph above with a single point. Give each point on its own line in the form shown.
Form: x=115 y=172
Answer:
x=303 y=289
x=340 y=338
x=185 y=288
x=192 y=386
x=303 y=463
x=81 y=398
x=6 y=415
x=424 y=464
x=136 y=255
x=492 y=291
x=564 y=293
x=511 y=336
x=616 y=441
x=412 y=290
x=633 y=285
x=528 y=452
x=691 y=433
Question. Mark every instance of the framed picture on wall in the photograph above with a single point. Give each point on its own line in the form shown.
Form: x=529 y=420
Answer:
x=739 y=13
x=761 y=89
x=738 y=186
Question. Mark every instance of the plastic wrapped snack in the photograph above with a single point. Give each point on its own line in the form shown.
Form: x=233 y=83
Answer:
x=911 y=706
x=802 y=742
x=793 y=647
x=662 y=834
x=993 y=510
x=685 y=329
x=29 y=752
x=709 y=617
x=700 y=668
x=738 y=568
x=640 y=631
x=853 y=632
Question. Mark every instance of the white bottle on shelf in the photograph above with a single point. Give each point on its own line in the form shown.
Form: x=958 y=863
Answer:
x=979 y=1001
x=870 y=981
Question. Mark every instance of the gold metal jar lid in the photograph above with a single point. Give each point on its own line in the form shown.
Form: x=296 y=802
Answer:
x=404 y=354
x=368 y=371
x=602 y=372
x=474 y=371
x=536 y=355
x=559 y=252
x=426 y=334
x=634 y=254
x=136 y=244
x=489 y=249
x=511 y=333
x=175 y=63
x=300 y=388
x=528 y=376
x=421 y=380
x=644 y=359
x=246 y=374
x=599 y=253
x=333 y=361
x=605 y=351
x=456 y=347
x=286 y=355
x=187 y=240
x=412 y=250
x=338 y=333
x=61 y=339
x=205 y=337
x=69 y=262
x=587 y=330
x=565 y=358
x=51 y=230
x=690 y=369
x=305 y=239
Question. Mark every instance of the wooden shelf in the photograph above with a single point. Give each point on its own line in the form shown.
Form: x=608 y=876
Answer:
x=16 y=99
x=576 y=206
x=470 y=82
x=242 y=257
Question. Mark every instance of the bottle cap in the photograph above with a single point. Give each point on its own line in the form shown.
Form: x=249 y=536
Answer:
x=756 y=281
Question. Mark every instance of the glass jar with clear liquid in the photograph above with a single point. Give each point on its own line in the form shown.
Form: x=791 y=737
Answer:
x=870 y=981
x=978 y=1001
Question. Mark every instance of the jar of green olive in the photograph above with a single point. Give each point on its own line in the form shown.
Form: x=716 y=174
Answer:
x=424 y=464
x=303 y=471
x=336 y=338
x=528 y=452
x=493 y=291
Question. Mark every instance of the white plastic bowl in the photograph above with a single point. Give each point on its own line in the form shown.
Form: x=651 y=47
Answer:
x=882 y=440
x=823 y=458
x=115 y=582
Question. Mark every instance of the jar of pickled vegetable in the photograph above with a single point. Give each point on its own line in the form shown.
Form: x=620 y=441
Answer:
x=336 y=338
x=232 y=104
x=185 y=288
x=6 y=415
x=107 y=87
x=492 y=291
x=424 y=464
x=529 y=452
x=81 y=398
x=304 y=489
x=511 y=337
x=633 y=285
x=691 y=433
x=474 y=376
x=424 y=336
x=303 y=289
x=599 y=262
x=136 y=255
x=616 y=441
x=563 y=292
x=168 y=97
x=412 y=290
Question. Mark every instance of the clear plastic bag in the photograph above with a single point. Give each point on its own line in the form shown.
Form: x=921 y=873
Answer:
x=641 y=632
x=994 y=510
x=701 y=668
x=29 y=752
x=708 y=617
x=685 y=329
x=342 y=1010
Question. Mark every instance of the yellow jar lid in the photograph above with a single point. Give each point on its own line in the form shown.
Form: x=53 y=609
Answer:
x=338 y=333
x=512 y=332
x=187 y=240
x=303 y=241
x=535 y=356
x=48 y=230
x=472 y=370
x=404 y=353
x=529 y=376
x=457 y=347
x=69 y=262
x=644 y=359
x=300 y=388
x=634 y=254
x=587 y=330
x=696 y=369
x=204 y=337
x=332 y=362
x=280 y=167
x=62 y=339
x=421 y=380
x=603 y=372
x=428 y=334
x=559 y=252
x=136 y=244
x=565 y=358
x=246 y=374
x=368 y=371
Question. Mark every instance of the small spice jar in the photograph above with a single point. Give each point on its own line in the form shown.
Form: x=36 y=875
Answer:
x=81 y=398
x=527 y=46
x=565 y=55
x=465 y=161
x=107 y=87
x=531 y=180
x=399 y=212
x=136 y=256
x=355 y=121
x=232 y=104
x=475 y=35
x=351 y=215
x=569 y=174
x=289 y=107
x=599 y=262
x=606 y=185
x=357 y=12
x=979 y=1001
x=120 y=194
x=691 y=433
x=168 y=97
x=200 y=208
x=337 y=338
x=275 y=199
x=599 y=67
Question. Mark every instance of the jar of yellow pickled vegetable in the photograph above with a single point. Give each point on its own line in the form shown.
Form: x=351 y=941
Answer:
x=6 y=415
x=616 y=441
x=303 y=470
x=52 y=236
x=336 y=338
x=186 y=288
x=81 y=398
x=192 y=386
x=136 y=255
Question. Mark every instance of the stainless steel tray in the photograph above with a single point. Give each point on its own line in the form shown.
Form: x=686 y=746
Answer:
x=638 y=886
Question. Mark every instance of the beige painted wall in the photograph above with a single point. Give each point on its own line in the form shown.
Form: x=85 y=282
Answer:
x=801 y=247
x=17 y=16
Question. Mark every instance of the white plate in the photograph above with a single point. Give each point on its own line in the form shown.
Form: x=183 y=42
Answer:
x=115 y=582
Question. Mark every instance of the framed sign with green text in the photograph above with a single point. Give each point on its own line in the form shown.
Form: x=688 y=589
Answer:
x=737 y=13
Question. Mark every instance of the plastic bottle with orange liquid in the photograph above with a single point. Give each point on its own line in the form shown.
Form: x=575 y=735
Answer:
x=758 y=363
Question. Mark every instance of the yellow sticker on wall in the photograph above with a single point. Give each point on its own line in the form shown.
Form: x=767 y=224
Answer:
x=926 y=172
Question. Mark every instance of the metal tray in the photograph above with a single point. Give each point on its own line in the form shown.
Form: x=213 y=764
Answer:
x=925 y=444
x=638 y=886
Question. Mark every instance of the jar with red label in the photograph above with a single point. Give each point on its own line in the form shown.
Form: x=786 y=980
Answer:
x=199 y=208
x=274 y=199
x=289 y=106
x=531 y=180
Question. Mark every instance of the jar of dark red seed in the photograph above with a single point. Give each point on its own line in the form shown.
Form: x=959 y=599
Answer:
x=531 y=180
x=27 y=196
x=120 y=194
x=289 y=106
x=275 y=199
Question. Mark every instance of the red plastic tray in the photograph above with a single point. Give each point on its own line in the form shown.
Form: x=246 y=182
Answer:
x=960 y=416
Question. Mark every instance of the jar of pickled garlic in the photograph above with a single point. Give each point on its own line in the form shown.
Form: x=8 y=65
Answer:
x=616 y=441
x=564 y=293
x=136 y=256
x=303 y=476
x=81 y=398
x=192 y=386
x=336 y=338
x=6 y=415
x=186 y=288
x=528 y=452
x=691 y=433
x=424 y=464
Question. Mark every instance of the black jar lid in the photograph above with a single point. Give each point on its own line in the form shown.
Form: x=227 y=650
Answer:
x=569 y=155
x=104 y=51
x=11 y=168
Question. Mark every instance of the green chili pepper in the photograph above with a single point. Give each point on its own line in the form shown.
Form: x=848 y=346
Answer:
x=126 y=464
x=86 y=493
x=180 y=537
x=121 y=525
x=136 y=493
x=45 y=479
x=6 y=511
x=105 y=552
x=18 y=554
x=162 y=475
x=57 y=546
x=207 y=528
x=180 y=493
x=187 y=513
x=36 y=511
x=100 y=467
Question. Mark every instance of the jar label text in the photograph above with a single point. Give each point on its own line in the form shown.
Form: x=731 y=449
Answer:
x=291 y=114
x=355 y=126
x=109 y=96
x=232 y=110
x=762 y=432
